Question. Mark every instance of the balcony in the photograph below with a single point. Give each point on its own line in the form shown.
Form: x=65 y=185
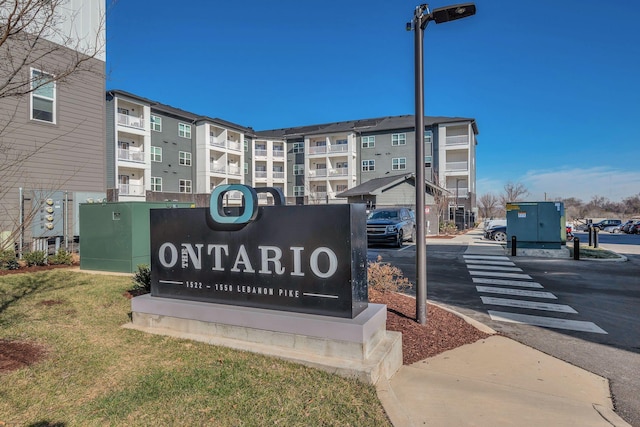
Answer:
x=131 y=121
x=318 y=149
x=462 y=192
x=339 y=148
x=339 y=172
x=261 y=174
x=278 y=175
x=279 y=154
x=457 y=166
x=260 y=152
x=457 y=140
x=234 y=170
x=130 y=155
x=317 y=173
x=218 y=167
x=131 y=190
x=224 y=143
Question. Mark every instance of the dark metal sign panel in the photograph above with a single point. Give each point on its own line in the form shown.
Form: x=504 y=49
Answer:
x=307 y=259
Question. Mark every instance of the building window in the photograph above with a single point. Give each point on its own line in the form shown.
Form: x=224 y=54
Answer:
x=246 y=168
x=398 y=139
x=246 y=145
x=428 y=136
x=298 y=169
x=368 y=141
x=156 y=123
x=298 y=190
x=427 y=161
x=185 y=186
x=184 y=130
x=398 y=163
x=156 y=154
x=341 y=187
x=156 y=183
x=368 y=165
x=43 y=97
x=298 y=147
x=184 y=158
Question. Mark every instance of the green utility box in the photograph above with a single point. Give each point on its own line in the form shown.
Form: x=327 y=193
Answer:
x=115 y=236
x=537 y=225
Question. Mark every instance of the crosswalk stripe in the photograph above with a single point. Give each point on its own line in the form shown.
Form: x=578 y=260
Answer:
x=494 y=268
x=491 y=281
x=499 y=274
x=494 y=257
x=548 y=322
x=488 y=262
x=515 y=292
x=532 y=305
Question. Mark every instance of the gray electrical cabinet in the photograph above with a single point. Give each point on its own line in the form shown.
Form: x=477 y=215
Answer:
x=537 y=225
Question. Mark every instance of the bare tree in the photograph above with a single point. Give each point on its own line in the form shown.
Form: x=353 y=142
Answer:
x=513 y=192
x=488 y=205
x=39 y=35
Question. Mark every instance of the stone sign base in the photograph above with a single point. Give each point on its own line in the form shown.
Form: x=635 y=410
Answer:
x=359 y=347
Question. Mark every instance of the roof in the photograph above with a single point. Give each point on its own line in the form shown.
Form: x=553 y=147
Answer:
x=363 y=125
x=376 y=186
x=168 y=109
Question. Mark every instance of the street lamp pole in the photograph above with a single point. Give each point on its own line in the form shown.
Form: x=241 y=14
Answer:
x=421 y=18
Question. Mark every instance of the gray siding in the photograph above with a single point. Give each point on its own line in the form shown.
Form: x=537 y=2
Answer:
x=170 y=169
x=68 y=155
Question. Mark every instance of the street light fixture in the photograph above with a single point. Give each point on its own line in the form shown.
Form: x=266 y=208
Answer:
x=422 y=16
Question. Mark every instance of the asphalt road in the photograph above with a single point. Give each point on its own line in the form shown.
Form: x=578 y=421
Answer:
x=591 y=306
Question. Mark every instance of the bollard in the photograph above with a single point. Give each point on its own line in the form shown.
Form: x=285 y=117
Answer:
x=595 y=237
x=514 y=244
x=576 y=248
x=590 y=235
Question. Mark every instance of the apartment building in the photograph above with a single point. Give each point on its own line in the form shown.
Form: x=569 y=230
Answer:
x=156 y=152
x=327 y=159
x=52 y=137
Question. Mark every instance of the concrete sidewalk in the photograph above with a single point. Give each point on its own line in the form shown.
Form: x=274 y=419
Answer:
x=496 y=382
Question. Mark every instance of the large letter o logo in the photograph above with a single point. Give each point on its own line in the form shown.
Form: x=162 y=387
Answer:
x=250 y=204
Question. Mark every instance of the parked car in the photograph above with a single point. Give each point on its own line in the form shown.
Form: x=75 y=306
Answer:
x=627 y=226
x=635 y=228
x=617 y=228
x=497 y=233
x=391 y=225
x=606 y=223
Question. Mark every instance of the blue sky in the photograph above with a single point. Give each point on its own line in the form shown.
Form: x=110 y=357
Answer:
x=554 y=85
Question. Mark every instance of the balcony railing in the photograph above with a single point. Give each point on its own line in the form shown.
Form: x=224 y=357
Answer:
x=318 y=149
x=278 y=175
x=278 y=153
x=234 y=170
x=217 y=167
x=261 y=174
x=457 y=166
x=339 y=172
x=131 y=121
x=224 y=143
x=314 y=173
x=462 y=191
x=339 y=148
x=261 y=152
x=319 y=195
x=457 y=140
x=131 y=189
x=130 y=155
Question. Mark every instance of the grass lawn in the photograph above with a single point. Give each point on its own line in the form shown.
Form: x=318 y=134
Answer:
x=96 y=373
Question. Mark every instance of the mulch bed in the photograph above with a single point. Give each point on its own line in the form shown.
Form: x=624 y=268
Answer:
x=443 y=330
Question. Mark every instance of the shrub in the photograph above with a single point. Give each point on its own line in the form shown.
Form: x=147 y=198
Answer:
x=35 y=258
x=7 y=259
x=142 y=279
x=61 y=258
x=384 y=277
x=448 y=227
